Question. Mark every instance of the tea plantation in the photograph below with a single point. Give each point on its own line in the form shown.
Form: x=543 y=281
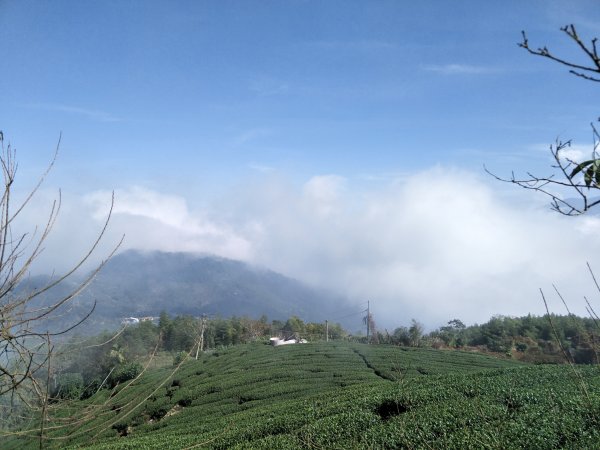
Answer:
x=337 y=395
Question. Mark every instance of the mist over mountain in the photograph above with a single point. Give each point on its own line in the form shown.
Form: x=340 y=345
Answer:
x=137 y=284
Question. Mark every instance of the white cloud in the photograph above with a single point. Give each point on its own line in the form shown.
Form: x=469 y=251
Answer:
x=263 y=168
x=576 y=153
x=152 y=220
x=136 y=201
x=572 y=151
x=322 y=193
x=459 y=69
x=251 y=135
x=268 y=86
x=93 y=114
x=436 y=245
x=149 y=220
x=589 y=226
x=363 y=45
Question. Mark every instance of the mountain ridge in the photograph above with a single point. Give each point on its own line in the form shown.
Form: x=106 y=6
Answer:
x=141 y=283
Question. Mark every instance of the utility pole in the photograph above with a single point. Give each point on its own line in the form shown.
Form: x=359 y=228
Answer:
x=326 y=331
x=368 y=320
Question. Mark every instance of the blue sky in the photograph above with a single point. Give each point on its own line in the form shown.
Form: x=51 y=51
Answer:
x=278 y=132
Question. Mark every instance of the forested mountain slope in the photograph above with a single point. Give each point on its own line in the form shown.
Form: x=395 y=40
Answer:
x=144 y=283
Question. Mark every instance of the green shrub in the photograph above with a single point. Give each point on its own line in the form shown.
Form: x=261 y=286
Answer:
x=69 y=386
x=124 y=373
x=184 y=397
x=158 y=409
x=121 y=428
x=179 y=357
x=91 y=387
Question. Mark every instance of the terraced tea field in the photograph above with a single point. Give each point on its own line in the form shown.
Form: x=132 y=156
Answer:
x=339 y=395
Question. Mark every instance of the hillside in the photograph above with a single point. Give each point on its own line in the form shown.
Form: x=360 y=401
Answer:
x=339 y=395
x=144 y=283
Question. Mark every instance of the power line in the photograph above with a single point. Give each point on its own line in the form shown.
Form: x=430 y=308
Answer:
x=350 y=315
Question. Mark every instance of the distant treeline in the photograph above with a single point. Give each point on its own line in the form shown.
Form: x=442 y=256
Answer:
x=105 y=360
x=536 y=339
x=182 y=332
x=109 y=359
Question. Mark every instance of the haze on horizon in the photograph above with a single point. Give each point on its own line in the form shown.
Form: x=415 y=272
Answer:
x=340 y=143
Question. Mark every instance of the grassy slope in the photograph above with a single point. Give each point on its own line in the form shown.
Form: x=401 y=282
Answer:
x=340 y=395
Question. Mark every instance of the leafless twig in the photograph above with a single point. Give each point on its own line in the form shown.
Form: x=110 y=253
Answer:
x=25 y=334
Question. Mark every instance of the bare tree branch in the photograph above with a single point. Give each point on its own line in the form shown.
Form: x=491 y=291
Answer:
x=581 y=178
x=26 y=348
x=589 y=50
x=568 y=179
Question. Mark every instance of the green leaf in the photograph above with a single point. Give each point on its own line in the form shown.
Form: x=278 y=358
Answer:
x=588 y=176
x=581 y=166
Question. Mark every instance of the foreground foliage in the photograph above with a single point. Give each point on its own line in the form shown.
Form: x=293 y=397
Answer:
x=339 y=395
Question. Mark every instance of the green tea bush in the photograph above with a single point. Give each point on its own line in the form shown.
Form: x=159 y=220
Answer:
x=124 y=373
x=157 y=409
x=256 y=396
x=179 y=357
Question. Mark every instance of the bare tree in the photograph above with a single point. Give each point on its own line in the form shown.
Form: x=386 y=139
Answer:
x=569 y=178
x=26 y=334
x=576 y=178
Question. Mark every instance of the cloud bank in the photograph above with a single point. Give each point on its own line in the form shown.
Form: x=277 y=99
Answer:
x=438 y=245
x=154 y=221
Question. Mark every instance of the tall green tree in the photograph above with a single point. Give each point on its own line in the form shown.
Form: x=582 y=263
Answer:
x=183 y=335
x=294 y=327
x=415 y=333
